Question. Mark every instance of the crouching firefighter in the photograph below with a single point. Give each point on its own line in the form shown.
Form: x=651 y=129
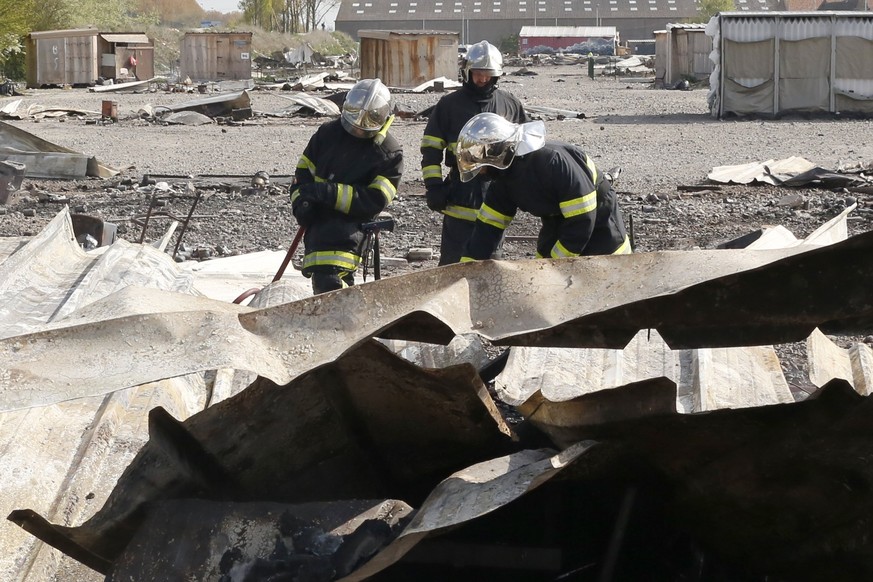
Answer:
x=555 y=181
x=348 y=173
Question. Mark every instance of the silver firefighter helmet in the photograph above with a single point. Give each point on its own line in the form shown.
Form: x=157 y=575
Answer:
x=366 y=108
x=483 y=56
x=490 y=140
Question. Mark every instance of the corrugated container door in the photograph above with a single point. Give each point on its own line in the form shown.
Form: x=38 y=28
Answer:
x=51 y=56
x=81 y=59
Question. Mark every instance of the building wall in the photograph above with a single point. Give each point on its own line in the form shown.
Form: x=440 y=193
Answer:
x=495 y=31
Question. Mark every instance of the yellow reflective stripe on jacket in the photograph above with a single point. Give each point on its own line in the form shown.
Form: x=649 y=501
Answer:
x=559 y=251
x=305 y=163
x=538 y=255
x=592 y=168
x=460 y=212
x=490 y=216
x=429 y=141
x=428 y=172
x=624 y=248
x=453 y=147
x=384 y=185
x=344 y=196
x=343 y=260
x=467 y=260
x=577 y=206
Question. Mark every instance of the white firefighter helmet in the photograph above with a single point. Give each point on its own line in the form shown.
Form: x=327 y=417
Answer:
x=490 y=140
x=366 y=108
x=483 y=56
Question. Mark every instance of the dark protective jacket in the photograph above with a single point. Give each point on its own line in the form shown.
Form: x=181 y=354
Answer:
x=560 y=184
x=361 y=179
x=441 y=136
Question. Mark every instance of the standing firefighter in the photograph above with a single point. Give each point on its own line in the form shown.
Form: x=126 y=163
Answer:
x=348 y=173
x=556 y=181
x=459 y=201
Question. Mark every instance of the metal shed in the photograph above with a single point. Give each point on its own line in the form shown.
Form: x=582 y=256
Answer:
x=791 y=62
x=600 y=40
x=682 y=53
x=216 y=56
x=82 y=56
x=408 y=58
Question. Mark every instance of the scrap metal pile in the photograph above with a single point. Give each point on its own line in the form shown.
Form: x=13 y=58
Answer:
x=630 y=434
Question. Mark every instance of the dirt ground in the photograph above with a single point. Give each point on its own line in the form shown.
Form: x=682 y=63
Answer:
x=665 y=141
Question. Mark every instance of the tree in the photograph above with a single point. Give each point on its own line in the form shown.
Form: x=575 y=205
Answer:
x=15 y=18
x=706 y=9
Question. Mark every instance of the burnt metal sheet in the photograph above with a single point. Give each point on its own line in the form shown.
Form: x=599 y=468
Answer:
x=309 y=102
x=781 y=489
x=694 y=299
x=45 y=159
x=216 y=105
x=350 y=429
x=706 y=379
x=827 y=361
x=51 y=277
x=199 y=540
x=472 y=493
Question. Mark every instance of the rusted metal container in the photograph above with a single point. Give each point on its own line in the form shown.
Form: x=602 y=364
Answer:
x=408 y=58
x=110 y=110
x=82 y=56
x=216 y=56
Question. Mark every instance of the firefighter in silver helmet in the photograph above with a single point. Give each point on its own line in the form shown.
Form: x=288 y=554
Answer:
x=456 y=200
x=555 y=181
x=348 y=173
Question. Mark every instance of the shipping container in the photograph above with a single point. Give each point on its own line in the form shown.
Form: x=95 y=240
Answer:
x=216 y=56
x=85 y=56
x=408 y=58
x=682 y=54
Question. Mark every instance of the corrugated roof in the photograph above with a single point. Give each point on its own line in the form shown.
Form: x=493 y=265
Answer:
x=423 y=10
x=687 y=26
x=390 y=33
x=571 y=31
x=128 y=37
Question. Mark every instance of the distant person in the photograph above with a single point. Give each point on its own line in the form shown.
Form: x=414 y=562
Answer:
x=348 y=173
x=555 y=181
x=456 y=200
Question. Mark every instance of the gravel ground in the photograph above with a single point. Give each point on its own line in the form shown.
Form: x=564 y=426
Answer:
x=665 y=141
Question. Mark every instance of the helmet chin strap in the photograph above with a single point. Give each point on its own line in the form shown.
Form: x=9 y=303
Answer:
x=382 y=133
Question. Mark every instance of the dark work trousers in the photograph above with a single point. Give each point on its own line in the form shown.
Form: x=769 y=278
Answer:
x=456 y=233
x=331 y=279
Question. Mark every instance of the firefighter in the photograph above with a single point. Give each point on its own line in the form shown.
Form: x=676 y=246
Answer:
x=458 y=201
x=348 y=173
x=555 y=181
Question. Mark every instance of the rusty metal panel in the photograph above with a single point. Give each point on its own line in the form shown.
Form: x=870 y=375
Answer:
x=216 y=56
x=406 y=59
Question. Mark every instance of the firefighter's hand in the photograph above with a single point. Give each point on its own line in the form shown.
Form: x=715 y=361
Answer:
x=437 y=197
x=322 y=193
x=304 y=209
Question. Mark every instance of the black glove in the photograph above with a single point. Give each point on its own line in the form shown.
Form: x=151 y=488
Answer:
x=323 y=193
x=437 y=197
x=304 y=207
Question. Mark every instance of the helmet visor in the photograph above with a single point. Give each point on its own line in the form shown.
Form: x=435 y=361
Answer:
x=474 y=155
